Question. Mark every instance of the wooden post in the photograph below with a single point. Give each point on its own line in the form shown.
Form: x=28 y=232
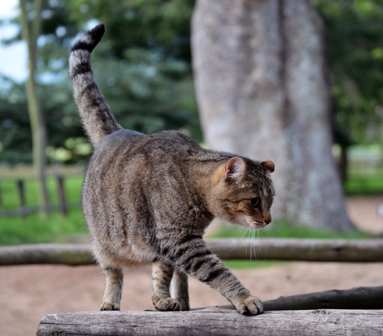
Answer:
x=63 y=206
x=21 y=193
x=1 y=197
x=214 y=321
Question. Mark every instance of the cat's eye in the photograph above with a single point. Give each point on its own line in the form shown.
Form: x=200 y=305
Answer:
x=255 y=202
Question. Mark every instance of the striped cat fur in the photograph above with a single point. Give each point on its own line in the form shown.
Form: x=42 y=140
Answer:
x=149 y=198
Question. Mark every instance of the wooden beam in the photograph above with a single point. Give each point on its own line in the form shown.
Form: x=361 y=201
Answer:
x=214 y=321
x=62 y=254
x=266 y=249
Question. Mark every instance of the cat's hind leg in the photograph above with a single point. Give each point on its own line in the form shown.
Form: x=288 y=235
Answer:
x=113 y=287
x=180 y=289
x=161 y=277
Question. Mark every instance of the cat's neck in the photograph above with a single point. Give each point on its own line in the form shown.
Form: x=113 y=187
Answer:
x=208 y=180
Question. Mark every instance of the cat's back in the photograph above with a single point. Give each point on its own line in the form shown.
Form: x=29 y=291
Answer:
x=128 y=156
x=127 y=146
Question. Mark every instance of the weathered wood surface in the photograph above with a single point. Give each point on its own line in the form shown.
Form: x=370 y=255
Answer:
x=263 y=249
x=355 y=298
x=214 y=321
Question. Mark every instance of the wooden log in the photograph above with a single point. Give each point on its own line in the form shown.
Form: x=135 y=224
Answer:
x=1 y=197
x=267 y=249
x=214 y=321
x=355 y=298
x=366 y=250
x=62 y=254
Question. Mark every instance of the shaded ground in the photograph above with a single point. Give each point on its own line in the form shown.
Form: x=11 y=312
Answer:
x=29 y=292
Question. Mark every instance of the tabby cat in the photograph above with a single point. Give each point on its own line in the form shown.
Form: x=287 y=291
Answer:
x=149 y=198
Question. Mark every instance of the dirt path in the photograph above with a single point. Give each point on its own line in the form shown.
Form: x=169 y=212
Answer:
x=30 y=292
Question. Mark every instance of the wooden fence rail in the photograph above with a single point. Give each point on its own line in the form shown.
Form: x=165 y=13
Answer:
x=266 y=249
x=63 y=205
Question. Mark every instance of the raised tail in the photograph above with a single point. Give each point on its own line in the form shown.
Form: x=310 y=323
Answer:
x=95 y=113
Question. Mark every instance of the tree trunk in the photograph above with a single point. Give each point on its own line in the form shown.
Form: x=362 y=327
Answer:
x=30 y=33
x=262 y=90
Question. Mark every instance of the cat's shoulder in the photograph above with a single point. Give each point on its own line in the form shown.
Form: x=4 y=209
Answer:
x=175 y=136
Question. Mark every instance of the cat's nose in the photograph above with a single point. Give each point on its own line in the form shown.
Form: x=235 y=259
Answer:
x=267 y=219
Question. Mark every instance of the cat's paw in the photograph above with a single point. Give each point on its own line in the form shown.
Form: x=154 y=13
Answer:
x=109 y=306
x=249 y=305
x=166 y=304
x=184 y=304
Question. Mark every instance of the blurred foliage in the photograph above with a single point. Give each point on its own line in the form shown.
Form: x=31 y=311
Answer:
x=354 y=43
x=143 y=68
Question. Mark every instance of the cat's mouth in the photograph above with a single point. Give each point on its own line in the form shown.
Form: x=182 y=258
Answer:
x=252 y=225
x=257 y=225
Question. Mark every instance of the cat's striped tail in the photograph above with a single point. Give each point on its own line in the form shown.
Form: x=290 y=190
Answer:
x=94 y=111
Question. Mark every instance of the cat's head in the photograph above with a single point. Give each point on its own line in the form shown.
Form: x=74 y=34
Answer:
x=244 y=192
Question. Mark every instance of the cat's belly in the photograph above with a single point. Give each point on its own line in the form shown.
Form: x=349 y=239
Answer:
x=123 y=254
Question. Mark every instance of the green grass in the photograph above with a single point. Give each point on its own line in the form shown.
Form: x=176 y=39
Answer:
x=35 y=228
x=10 y=198
x=281 y=229
x=244 y=264
x=364 y=184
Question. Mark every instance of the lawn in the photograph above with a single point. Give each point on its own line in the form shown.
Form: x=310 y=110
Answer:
x=35 y=228
x=369 y=183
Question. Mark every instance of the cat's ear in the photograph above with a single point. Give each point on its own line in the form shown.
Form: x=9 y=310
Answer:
x=268 y=165
x=235 y=169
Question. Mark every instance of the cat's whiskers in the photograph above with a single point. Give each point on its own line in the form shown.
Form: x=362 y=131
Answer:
x=253 y=248
x=279 y=231
x=248 y=240
x=239 y=240
x=266 y=247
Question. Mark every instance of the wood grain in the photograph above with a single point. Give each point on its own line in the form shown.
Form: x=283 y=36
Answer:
x=214 y=321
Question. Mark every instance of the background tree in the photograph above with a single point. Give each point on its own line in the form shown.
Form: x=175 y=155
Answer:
x=354 y=44
x=260 y=73
x=30 y=28
x=160 y=32
x=142 y=66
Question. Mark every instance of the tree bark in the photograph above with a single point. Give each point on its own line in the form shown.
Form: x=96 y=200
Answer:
x=30 y=33
x=262 y=90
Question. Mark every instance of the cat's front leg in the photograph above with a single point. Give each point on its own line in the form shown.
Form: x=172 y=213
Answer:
x=192 y=256
x=180 y=289
x=161 y=277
